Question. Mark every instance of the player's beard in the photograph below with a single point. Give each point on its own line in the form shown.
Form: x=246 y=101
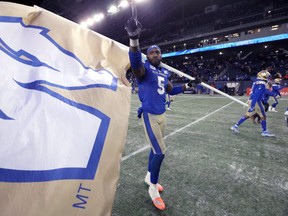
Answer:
x=155 y=62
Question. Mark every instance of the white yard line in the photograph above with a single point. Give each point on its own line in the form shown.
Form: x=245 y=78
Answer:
x=174 y=132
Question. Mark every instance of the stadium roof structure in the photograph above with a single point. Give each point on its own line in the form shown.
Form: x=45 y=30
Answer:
x=151 y=13
x=156 y=15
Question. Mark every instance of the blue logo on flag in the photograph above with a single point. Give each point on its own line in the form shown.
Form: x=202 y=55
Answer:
x=45 y=134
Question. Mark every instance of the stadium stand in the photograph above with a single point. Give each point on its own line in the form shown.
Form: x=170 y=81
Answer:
x=236 y=22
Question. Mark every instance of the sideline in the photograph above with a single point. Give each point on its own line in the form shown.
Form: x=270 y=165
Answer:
x=174 y=132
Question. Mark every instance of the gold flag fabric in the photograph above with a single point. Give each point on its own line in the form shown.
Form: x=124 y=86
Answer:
x=64 y=111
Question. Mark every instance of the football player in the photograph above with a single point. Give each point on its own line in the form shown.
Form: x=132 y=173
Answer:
x=168 y=101
x=286 y=117
x=276 y=87
x=153 y=85
x=255 y=103
x=265 y=102
x=169 y=98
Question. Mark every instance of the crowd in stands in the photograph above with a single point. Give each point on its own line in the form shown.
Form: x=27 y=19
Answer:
x=233 y=68
x=219 y=69
x=240 y=66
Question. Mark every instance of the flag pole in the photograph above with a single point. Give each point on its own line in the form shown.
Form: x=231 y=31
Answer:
x=202 y=83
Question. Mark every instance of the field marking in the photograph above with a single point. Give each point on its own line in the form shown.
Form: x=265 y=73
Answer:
x=174 y=132
x=198 y=120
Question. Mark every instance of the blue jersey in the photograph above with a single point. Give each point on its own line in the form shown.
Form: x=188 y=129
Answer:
x=266 y=95
x=276 y=89
x=258 y=90
x=152 y=89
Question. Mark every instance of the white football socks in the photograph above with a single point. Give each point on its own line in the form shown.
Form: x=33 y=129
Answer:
x=147 y=178
x=153 y=191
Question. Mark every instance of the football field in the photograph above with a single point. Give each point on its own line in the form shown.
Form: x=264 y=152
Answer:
x=208 y=169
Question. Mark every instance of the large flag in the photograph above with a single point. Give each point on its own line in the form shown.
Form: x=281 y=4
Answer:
x=64 y=111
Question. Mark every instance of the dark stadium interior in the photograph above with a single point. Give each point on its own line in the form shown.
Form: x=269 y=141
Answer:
x=164 y=19
x=188 y=25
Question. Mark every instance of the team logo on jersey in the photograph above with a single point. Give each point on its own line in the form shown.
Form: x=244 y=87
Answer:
x=165 y=72
x=45 y=134
x=152 y=67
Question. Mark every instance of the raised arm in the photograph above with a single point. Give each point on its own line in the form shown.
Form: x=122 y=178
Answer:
x=133 y=28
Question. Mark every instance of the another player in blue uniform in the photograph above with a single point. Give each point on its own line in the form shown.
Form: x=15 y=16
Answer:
x=265 y=102
x=153 y=85
x=286 y=117
x=276 y=87
x=169 y=100
x=255 y=103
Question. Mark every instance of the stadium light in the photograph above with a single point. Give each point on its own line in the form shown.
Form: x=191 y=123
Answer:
x=123 y=4
x=98 y=17
x=140 y=1
x=90 y=22
x=113 y=9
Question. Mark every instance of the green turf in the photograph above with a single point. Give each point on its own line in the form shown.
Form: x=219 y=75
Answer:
x=208 y=170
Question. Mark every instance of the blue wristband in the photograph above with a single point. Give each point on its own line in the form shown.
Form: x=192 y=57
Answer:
x=135 y=59
x=176 y=90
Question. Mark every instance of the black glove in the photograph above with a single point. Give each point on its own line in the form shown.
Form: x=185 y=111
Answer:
x=193 y=83
x=133 y=28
